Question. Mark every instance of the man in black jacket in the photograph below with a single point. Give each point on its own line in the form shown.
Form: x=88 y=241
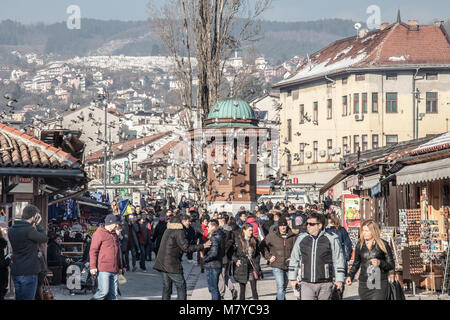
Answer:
x=321 y=257
x=224 y=278
x=168 y=260
x=213 y=257
x=25 y=236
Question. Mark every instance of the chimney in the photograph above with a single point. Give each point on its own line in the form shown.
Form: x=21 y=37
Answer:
x=438 y=23
x=384 y=25
x=363 y=33
x=413 y=24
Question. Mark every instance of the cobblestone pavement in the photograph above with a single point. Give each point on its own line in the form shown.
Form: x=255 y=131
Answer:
x=148 y=286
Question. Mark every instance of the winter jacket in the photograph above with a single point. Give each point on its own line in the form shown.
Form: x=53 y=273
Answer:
x=54 y=256
x=104 y=253
x=321 y=257
x=345 y=241
x=275 y=245
x=183 y=205
x=229 y=242
x=159 y=232
x=362 y=261
x=128 y=239
x=4 y=263
x=25 y=240
x=241 y=273
x=255 y=224
x=173 y=244
x=204 y=233
x=214 y=254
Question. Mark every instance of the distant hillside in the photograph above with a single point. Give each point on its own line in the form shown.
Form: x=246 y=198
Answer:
x=280 y=40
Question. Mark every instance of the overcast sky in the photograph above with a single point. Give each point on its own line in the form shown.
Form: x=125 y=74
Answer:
x=50 y=11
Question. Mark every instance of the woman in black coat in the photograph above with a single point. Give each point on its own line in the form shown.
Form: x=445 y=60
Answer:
x=374 y=260
x=246 y=258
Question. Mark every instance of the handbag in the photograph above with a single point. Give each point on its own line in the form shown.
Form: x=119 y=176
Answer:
x=256 y=274
x=47 y=293
x=336 y=294
x=122 y=280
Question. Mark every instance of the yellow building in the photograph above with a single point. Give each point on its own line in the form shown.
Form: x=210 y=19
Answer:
x=362 y=93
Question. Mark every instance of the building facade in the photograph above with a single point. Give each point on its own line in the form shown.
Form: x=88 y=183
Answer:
x=365 y=92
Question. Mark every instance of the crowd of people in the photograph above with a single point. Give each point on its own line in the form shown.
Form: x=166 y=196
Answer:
x=305 y=246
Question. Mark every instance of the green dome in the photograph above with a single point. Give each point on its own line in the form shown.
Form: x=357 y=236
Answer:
x=231 y=108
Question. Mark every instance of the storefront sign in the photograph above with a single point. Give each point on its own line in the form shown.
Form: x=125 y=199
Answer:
x=352 y=208
x=375 y=190
x=25 y=184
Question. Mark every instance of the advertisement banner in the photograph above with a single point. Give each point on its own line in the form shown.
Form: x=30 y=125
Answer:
x=352 y=208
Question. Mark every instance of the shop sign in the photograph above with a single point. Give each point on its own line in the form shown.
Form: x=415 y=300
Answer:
x=352 y=208
x=115 y=179
x=25 y=184
x=376 y=189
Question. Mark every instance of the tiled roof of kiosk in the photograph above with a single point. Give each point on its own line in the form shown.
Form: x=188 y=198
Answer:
x=18 y=149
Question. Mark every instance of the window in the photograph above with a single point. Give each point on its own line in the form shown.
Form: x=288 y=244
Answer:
x=391 y=140
x=134 y=166
x=374 y=141
x=316 y=111
x=295 y=95
x=316 y=150
x=302 y=152
x=345 y=145
x=364 y=102
x=360 y=77
x=329 y=147
x=432 y=102
x=365 y=142
x=432 y=76
x=349 y=104
x=355 y=143
x=391 y=76
x=289 y=130
x=344 y=80
x=330 y=109
x=374 y=102
x=289 y=93
x=344 y=106
x=302 y=113
x=391 y=102
x=356 y=103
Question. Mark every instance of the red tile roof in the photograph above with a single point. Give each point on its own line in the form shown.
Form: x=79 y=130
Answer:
x=396 y=45
x=22 y=150
x=127 y=146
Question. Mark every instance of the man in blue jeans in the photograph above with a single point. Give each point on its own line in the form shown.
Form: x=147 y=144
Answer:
x=105 y=259
x=277 y=247
x=25 y=235
x=213 y=257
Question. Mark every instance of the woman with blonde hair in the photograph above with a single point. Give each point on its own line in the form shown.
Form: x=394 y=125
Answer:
x=373 y=257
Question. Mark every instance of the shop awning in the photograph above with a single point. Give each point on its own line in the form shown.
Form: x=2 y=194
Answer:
x=424 y=172
x=370 y=181
x=338 y=178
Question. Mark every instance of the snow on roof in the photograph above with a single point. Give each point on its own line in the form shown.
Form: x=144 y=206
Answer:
x=402 y=58
x=345 y=51
x=325 y=67
x=433 y=145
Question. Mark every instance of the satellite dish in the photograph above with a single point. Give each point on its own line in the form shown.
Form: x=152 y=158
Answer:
x=358 y=26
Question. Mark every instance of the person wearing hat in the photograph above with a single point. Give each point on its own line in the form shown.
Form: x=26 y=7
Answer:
x=277 y=248
x=105 y=259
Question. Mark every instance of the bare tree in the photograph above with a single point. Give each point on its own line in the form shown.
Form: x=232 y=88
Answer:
x=201 y=35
